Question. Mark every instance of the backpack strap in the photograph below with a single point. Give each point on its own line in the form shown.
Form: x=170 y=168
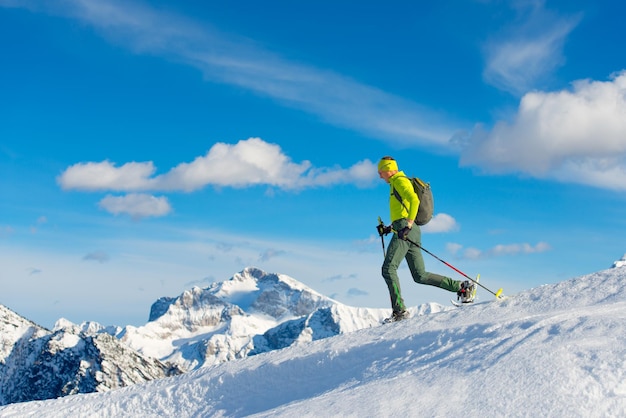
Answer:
x=397 y=195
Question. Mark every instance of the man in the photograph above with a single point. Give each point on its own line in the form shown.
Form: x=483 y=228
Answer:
x=403 y=214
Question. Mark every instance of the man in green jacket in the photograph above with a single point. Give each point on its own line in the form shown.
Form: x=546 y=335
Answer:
x=402 y=217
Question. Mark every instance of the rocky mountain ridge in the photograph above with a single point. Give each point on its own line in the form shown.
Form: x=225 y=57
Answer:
x=36 y=363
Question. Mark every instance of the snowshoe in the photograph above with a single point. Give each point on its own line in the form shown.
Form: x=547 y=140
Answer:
x=396 y=316
x=467 y=293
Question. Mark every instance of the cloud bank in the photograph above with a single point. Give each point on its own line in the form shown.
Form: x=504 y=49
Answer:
x=250 y=162
x=498 y=250
x=247 y=163
x=576 y=135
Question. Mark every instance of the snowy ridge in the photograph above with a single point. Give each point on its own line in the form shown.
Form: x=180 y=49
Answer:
x=15 y=332
x=13 y=328
x=36 y=363
x=328 y=322
x=556 y=350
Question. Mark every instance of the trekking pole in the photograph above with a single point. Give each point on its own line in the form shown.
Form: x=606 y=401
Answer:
x=382 y=239
x=497 y=294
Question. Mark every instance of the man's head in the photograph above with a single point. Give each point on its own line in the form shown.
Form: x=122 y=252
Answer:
x=387 y=167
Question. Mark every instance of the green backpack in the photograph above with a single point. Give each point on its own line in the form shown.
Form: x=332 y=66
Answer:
x=425 y=195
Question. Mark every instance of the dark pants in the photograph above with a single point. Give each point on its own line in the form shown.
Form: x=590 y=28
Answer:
x=399 y=250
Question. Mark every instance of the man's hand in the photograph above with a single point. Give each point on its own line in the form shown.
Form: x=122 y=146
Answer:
x=383 y=230
x=404 y=233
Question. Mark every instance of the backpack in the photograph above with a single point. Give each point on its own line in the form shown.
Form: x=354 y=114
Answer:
x=425 y=195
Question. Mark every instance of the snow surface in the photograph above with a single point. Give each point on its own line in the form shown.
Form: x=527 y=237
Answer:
x=556 y=350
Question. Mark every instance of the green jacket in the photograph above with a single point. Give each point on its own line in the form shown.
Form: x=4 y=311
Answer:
x=410 y=202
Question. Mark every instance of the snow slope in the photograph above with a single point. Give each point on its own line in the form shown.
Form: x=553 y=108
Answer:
x=557 y=350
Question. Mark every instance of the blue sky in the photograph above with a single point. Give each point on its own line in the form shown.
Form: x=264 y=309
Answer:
x=150 y=146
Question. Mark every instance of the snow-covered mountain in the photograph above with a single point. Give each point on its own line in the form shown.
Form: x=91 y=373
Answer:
x=556 y=350
x=36 y=363
x=251 y=313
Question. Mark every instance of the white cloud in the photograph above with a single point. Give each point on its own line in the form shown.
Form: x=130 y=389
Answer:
x=136 y=205
x=576 y=135
x=525 y=248
x=223 y=58
x=472 y=253
x=453 y=248
x=106 y=176
x=247 y=163
x=498 y=250
x=524 y=54
x=441 y=222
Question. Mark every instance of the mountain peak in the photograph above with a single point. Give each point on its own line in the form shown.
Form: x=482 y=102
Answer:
x=204 y=326
x=620 y=263
x=250 y=291
x=276 y=295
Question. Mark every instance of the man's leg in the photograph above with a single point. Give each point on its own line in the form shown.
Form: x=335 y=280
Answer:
x=415 y=260
x=395 y=254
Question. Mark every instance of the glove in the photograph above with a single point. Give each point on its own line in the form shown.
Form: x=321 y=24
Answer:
x=383 y=230
x=404 y=233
